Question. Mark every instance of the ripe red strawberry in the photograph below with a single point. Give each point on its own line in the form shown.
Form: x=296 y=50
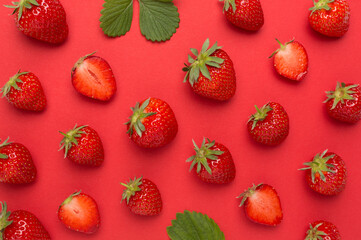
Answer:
x=79 y=212
x=44 y=20
x=20 y=224
x=24 y=91
x=330 y=17
x=93 y=77
x=262 y=204
x=152 y=124
x=269 y=125
x=245 y=14
x=291 y=60
x=211 y=74
x=214 y=162
x=16 y=164
x=83 y=145
x=344 y=103
x=323 y=230
x=326 y=173
x=142 y=197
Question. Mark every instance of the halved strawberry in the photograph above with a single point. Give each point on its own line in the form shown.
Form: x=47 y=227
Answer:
x=93 y=77
x=262 y=204
x=79 y=212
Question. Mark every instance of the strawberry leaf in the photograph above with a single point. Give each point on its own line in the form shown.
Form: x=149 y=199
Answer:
x=158 y=20
x=194 y=226
x=117 y=16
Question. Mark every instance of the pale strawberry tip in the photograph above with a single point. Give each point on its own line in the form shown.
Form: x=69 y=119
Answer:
x=70 y=138
x=131 y=188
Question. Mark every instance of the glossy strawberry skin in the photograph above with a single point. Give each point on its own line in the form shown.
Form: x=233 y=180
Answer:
x=223 y=169
x=350 y=110
x=222 y=85
x=89 y=151
x=333 y=22
x=160 y=129
x=248 y=15
x=147 y=201
x=46 y=22
x=31 y=96
x=25 y=226
x=18 y=168
x=273 y=129
x=335 y=182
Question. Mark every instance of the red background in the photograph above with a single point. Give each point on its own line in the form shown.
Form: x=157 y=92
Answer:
x=145 y=69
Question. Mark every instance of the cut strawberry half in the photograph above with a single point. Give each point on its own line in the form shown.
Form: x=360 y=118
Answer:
x=93 y=77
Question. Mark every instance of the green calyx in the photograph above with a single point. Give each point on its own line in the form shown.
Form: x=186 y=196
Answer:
x=80 y=61
x=340 y=94
x=135 y=121
x=12 y=83
x=319 y=165
x=282 y=47
x=260 y=115
x=203 y=154
x=70 y=138
x=199 y=65
x=321 y=4
x=68 y=200
x=131 y=188
x=4 y=216
x=314 y=234
x=5 y=143
x=22 y=5
x=248 y=193
x=227 y=4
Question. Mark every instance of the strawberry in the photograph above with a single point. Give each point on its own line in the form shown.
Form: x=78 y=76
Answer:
x=142 y=197
x=83 y=145
x=245 y=14
x=269 y=125
x=330 y=17
x=24 y=91
x=262 y=204
x=79 y=212
x=20 y=224
x=323 y=230
x=16 y=164
x=291 y=60
x=152 y=124
x=44 y=20
x=214 y=162
x=344 y=103
x=211 y=74
x=326 y=173
x=93 y=77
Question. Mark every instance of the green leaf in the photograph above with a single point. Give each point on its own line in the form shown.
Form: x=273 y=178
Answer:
x=158 y=20
x=194 y=226
x=116 y=17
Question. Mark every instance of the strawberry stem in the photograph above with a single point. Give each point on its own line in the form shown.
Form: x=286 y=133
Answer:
x=70 y=138
x=282 y=47
x=4 y=215
x=260 y=115
x=80 y=61
x=13 y=83
x=340 y=94
x=227 y=4
x=5 y=143
x=321 y=4
x=131 y=188
x=248 y=193
x=21 y=6
x=68 y=199
x=314 y=233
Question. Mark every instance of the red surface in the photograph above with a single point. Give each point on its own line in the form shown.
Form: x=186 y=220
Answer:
x=144 y=69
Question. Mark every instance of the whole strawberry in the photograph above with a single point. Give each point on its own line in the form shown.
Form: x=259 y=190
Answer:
x=83 y=146
x=20 y=225
x=44 y=20
x=93 y=77
x=214 y=162
x=326 y=173
x=79 y=212
x=142 y=197
x=323 y=230
x=291 y=60
x=245 y=14
x=330 y=17
x=269 y=125
x=24 y=91
x=211 y=74
x=152 y=124
x=16 y=164
x=262 y=204
x=344 y=103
